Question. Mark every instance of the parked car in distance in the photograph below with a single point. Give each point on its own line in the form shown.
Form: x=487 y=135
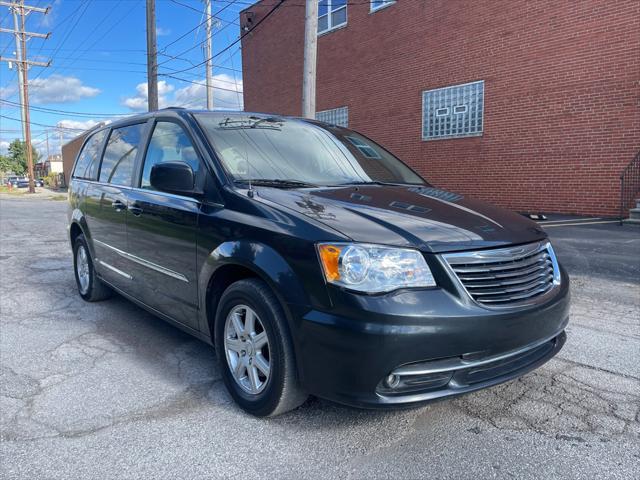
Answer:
x=313 y=259
x=39 y=182
x=18 y=182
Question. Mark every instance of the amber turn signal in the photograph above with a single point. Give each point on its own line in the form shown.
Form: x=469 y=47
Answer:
x=329 y=256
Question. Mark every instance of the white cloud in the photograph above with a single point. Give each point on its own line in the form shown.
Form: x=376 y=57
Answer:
x=59 y=89
x=161 y=32
x=77 y=124
x=227 y=95
x=4 y=146
x=139 y=101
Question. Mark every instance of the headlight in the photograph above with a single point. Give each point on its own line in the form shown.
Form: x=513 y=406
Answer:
x=373 y=268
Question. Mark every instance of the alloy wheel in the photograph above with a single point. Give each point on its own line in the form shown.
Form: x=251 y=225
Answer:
x=82 y=269
x=247 y=349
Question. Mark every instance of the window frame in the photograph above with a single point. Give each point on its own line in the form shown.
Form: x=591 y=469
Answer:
x=330 y=26
x=143 y=138
x=451 y=108
x=151 y=126
x=100 y=153
x=385 y=4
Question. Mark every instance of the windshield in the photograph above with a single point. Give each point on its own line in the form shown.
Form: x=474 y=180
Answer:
x=289 y=151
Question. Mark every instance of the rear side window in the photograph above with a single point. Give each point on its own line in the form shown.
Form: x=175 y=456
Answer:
x=120 y=154
x=169 y=143
x=89 y=158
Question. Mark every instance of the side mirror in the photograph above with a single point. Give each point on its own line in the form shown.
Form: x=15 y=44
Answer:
x=174 y=177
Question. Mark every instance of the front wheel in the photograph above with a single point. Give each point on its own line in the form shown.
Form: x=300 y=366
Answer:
x=255 y=350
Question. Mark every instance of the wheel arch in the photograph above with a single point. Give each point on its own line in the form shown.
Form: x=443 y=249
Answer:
x=236 y=260
x=78 y=226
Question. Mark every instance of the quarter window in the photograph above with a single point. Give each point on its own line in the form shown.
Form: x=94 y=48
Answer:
x=169 y=143
x=89 y=159
x=453 y=112
x=378 y=4
x=120 y=154
x=331 y=14
x=335 y=116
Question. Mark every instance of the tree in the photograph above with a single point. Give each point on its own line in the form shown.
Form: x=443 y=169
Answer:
x=16 y=160
x=5 y=164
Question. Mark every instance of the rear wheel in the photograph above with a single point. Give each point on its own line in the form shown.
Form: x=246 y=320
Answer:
x=90 y=287
x=255 y=350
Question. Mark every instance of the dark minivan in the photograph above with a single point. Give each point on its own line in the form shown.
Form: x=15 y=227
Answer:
x=313 y=259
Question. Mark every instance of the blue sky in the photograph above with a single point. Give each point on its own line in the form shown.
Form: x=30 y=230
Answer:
x=98 y=53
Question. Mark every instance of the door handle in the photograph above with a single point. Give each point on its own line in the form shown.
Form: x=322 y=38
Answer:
x=135 y=210
x=118 y=205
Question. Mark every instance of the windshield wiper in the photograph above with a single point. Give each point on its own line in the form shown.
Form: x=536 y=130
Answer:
x=369 y=182
x=275 y=182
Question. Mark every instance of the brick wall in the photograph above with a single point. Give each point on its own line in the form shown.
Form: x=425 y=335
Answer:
x=562 y=90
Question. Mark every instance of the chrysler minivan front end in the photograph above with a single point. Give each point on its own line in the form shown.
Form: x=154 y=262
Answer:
x=313 y=259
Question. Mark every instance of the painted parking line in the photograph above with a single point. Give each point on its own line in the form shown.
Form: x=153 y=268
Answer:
x=582 y=223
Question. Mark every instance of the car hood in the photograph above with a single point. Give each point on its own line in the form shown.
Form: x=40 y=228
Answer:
x=421 y=217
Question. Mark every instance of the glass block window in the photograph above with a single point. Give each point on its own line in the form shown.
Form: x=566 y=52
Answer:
x=453 y=112
x=378 y=4
x=335 y=116
x=331 y=14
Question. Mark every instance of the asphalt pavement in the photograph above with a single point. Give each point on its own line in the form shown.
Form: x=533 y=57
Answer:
x=108 y=391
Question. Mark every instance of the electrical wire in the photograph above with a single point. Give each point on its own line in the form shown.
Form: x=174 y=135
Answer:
x=258 y=23
x=44 y=125
x=66 y=112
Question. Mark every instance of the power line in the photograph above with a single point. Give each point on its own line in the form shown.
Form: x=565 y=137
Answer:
x=177 y=57
x=80 y=13
x=258 y=23
x=66 y=112
x=201 y=83
x=164 y=49
x=44 y=125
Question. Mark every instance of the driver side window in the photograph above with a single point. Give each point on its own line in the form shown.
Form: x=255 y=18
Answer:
x=169 y=143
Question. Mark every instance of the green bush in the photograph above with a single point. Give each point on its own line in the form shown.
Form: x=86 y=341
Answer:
x=51 y=180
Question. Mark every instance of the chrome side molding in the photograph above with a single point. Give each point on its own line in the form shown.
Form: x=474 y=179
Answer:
x=145 y=263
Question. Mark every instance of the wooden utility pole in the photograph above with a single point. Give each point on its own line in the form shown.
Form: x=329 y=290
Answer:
x=208 y=56
x=152 y=57
x=310 y=59
x=18 y=8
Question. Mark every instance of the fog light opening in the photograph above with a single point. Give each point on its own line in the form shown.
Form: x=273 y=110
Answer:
x=392 y=381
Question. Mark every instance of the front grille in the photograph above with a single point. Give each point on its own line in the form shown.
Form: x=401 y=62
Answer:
x=507 y=276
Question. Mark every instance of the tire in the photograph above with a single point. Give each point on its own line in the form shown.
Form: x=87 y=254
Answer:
x=90 y=287
x=270 y=395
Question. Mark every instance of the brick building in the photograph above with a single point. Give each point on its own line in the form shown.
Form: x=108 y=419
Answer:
x=532 y=105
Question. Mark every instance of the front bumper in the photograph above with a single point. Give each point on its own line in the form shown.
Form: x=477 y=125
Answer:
x=448 y=344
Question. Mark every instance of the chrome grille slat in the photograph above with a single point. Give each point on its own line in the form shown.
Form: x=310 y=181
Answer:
x=515 y=281
x=508 y=276
x=471 y=268
x=514 y=288
x=521 y=296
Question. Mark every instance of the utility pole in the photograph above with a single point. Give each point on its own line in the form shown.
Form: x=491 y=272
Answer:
x=47 y=137
x=310 y=59
x=18 y=8
x=208 y=54
x=152 y=57
x=18 y=53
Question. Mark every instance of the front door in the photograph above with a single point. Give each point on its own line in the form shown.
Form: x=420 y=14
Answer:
x=162 y=230
x=106 y=205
